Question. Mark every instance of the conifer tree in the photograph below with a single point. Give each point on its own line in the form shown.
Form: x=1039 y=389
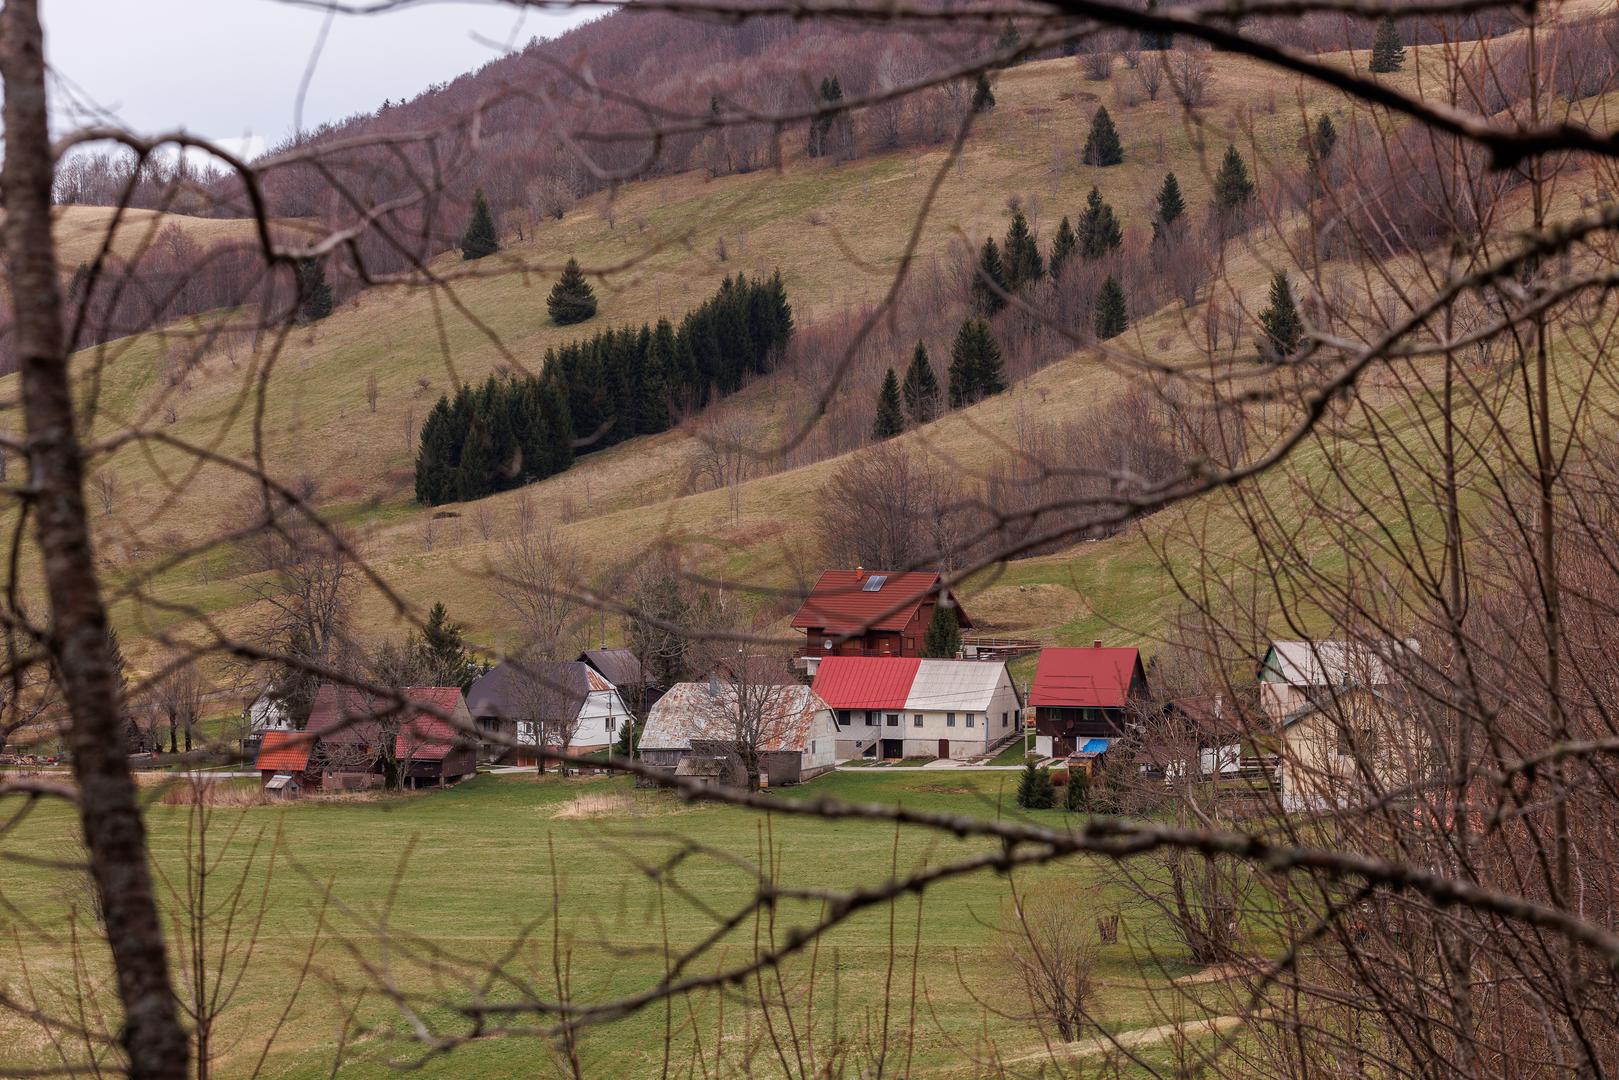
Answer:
x=1099 y=231
x=820 y=129
x=1102 y=145
x=989 y=286
x=1170 y=206
x=783 y=311
x=983 y=94
x=1062 y=247
x=1078 y=795
x=1232 y=187
x=890 y=414
x=445 y=645
x=1111 y=318
x=921 y=388
x=1023 y=263
x=1323 y=138
x=479 y=239
x=314 y=295
x=1035 y=791
x=1388 y=51
x=571 y=300
x=942 y=639
x=1280 y=320
x=976 y=370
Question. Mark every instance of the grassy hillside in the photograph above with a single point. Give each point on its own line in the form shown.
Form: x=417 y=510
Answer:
x=835 y=231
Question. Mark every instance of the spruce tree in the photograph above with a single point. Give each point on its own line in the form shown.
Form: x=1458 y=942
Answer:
x=1388 y=52
x=1323 y=138
x=890 y=414
x=1099 y=231
x=134 y=737
x=1078 y=796
x=983 y=94
x=1102 y=145
x=989 y=286
x=1280 y=320
x=479 y=239
x=976 y=370
x=820 y=129
x=445 y=645
x=314 y=295
x=921 y=388
x=1035 y=790
x=571 y=300
x=1023 y=263
x=781 y=309
x=1170 y=206
x=1062 y=247
x=1232 y=187
x=1111 y=318
x=942 y=639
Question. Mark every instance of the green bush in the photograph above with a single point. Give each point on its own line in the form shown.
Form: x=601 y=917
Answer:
x=1035 y=791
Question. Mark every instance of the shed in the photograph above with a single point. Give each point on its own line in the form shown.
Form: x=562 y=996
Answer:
x=350 y=727
x=283 y=763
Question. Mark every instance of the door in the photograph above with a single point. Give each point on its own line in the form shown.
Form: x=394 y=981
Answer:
x=944 y=747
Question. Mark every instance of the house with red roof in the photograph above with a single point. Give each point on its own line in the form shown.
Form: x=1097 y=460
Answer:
x=1084 y=698
x=893 y=706
x=864 y=612
x=352 y=733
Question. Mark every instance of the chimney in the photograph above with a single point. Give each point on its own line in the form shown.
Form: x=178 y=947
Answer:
x=859 y=573
x=1096 y=643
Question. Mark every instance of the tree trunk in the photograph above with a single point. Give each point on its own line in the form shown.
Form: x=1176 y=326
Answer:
x=114 y=833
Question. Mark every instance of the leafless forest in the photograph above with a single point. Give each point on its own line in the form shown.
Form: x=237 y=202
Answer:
x=1425 y=470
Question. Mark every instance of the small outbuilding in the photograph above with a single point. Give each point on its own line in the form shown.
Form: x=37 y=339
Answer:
x=283 y=763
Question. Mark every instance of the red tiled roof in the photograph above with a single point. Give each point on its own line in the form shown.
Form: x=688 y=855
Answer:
x=343 y=714
x=865 y=682
x=840 y=604
x=284 y=751
x=1093 y=678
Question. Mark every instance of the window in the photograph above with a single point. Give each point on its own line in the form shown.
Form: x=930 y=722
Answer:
x=949 y=719
x=1003 y=719
x=871 y=719
x=969 y=719
x=1363 y=741
x=874 y=583
x=916 y=721
x=893 y=719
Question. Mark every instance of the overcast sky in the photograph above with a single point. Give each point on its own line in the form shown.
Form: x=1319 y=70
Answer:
x=230 y=69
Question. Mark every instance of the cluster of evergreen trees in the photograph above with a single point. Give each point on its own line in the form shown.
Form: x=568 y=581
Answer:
x=598 y=392
x=976 y=372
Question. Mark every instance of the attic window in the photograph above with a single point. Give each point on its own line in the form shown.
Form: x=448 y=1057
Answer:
x=874 y=583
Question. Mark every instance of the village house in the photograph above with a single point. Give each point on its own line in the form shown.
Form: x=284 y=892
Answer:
x=894 y=707
x=621 y=667
x=864 y=612
x=1083 y=699
x=1294 y=673
x=1350 y=745
x=691 y=731
x=532 y=701
x=350 y=728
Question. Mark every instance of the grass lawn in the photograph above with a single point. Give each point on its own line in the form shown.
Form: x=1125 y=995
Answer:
x=1011 y=754
x=467 y=868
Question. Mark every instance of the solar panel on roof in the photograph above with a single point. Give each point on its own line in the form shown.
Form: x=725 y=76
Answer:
x=874 y=583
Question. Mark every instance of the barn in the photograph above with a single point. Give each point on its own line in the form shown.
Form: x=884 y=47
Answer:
x=691 y=727
x=349 y=726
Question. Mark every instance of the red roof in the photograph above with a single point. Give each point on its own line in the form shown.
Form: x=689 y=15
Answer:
x=844 y=602
x=1094 y=678
x=344 y=714
x=865 y=682
x=284 y=751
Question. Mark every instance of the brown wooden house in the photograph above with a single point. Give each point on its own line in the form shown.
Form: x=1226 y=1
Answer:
x=864 y=612
x=349 y=728
x=1084 y=698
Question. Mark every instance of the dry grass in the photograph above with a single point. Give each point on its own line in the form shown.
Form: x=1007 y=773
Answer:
x=599 y=805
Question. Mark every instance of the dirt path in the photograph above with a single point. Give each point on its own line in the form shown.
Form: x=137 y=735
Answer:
x=1137 y=1039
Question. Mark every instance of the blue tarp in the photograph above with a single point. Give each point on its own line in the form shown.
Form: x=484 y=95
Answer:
x=1095 y=746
